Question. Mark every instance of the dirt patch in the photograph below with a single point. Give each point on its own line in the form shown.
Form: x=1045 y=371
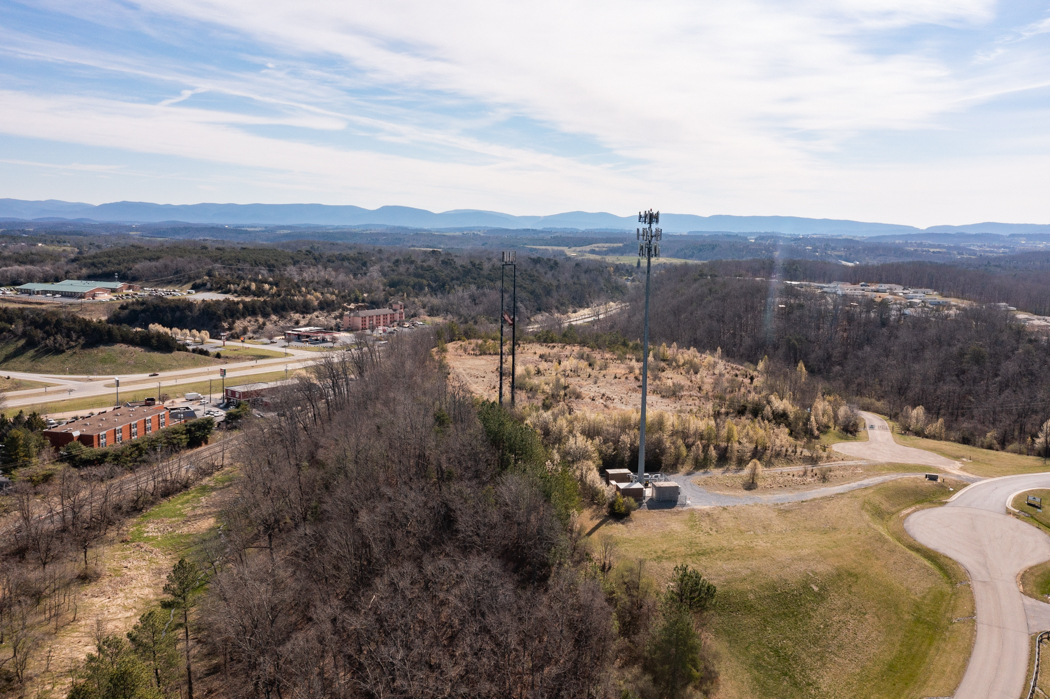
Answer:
x=133 y=564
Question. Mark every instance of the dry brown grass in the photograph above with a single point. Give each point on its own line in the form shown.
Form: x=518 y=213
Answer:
x=611 y=384
x=807 y=478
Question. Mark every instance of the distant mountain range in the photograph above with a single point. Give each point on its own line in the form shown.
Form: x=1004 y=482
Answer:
x=129 y=212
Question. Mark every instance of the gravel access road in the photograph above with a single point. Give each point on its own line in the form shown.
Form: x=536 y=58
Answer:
x=881 y=447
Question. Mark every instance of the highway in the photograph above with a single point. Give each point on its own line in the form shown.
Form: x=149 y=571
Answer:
x=84 y=386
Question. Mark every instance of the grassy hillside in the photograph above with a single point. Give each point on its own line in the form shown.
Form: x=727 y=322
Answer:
x=112 y=359
x=817 y=599
x=116 y=359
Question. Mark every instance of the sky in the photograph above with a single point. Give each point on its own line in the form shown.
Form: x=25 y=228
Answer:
x=917 y=112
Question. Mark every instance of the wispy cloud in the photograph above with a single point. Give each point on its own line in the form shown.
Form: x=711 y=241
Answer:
x=813 y=108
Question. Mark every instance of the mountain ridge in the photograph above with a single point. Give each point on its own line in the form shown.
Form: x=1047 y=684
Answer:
x=129 y=212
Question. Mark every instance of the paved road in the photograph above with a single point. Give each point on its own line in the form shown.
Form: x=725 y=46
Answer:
x=881 y=447
x=994 y=548
x=70 y=387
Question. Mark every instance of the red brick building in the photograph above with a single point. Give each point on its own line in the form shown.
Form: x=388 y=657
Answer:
x=110 y=428
x=379 y=317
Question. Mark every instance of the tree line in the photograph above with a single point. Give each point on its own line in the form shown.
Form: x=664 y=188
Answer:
x=57 y=332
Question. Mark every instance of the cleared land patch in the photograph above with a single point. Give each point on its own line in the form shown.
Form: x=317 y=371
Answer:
x=826 y=598
x=589 y=380
x=131 y=566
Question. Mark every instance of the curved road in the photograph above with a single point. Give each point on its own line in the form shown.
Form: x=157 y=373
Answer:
x=974 y=529
x=994 y=548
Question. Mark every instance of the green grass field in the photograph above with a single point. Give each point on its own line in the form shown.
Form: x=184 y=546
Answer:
x=240 y=354
x=823 y=599
x=980 y=462
x=836 y=435
x=159 y=526
x=111 y=359
x=1041 y=516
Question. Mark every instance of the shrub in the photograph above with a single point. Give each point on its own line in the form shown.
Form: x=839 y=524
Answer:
x=620 y=507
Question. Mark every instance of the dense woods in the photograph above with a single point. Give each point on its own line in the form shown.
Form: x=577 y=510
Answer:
x=401 y=557
x=213 y=316
x=57 y=332
x=987 y=377
x=1022 y=281
x=427 y=547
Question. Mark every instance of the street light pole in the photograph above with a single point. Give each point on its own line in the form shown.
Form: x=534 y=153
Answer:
x=117 y=382
x=648 y=247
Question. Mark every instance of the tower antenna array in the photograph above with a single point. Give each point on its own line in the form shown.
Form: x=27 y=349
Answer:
x=648 y=247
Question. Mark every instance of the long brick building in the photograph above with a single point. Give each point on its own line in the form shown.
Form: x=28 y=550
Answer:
x=376 y=318
x=111 y=427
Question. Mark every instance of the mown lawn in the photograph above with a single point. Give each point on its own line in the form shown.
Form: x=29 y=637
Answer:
x=103 y=360
x=19 y=384
x=980 y=462
x=828 y=598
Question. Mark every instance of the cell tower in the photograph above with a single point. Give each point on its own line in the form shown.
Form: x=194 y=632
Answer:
x=648 y=247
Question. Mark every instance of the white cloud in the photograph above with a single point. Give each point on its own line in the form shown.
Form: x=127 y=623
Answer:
x=742 y=107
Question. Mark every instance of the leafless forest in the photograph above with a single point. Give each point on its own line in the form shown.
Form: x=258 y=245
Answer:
x=987 y=377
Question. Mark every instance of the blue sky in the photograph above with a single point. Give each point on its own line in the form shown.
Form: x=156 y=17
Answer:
x=906 y=111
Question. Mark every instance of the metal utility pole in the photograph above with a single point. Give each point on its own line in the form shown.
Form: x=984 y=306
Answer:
x=116 y=381
x=222 y=374
x=502 y=293
x=509 y=259
x=513 y=327
x=648 y=247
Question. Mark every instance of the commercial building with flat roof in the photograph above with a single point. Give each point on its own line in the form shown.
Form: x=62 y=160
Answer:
x=75 y=288
x=376 y=318
x=254 y=391
x=309 y=334
x=111 y=427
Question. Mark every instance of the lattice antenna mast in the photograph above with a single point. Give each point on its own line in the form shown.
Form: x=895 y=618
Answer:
x=648 y=247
